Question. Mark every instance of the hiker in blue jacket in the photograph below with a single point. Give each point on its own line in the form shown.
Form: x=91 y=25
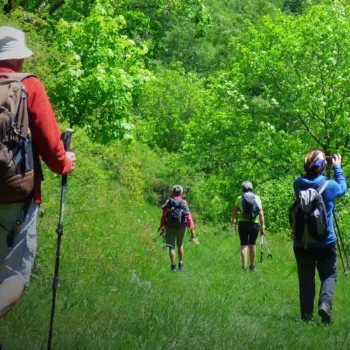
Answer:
x=322 y=255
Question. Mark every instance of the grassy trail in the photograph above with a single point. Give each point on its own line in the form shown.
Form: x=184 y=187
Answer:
x=117 y=292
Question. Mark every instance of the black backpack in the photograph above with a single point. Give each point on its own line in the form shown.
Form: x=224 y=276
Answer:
x=308 y=216
x=177 y=209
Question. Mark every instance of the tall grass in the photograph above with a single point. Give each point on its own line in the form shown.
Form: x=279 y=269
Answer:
x=116 y=290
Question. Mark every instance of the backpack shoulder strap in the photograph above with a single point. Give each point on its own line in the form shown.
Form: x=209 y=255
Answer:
x=322 y=187
x=17 y=76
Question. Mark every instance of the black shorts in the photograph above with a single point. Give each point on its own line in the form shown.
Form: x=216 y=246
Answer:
x=248 y=232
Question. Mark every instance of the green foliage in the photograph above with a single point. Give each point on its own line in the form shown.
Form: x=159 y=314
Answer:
x=282 y=90
x=147 y=175
x=99 y=74
x=300 y=69
x=116 y=291
x=167 y=106
x=286 y=94
x=210 y=52
x=36 y=31
x=230 y=146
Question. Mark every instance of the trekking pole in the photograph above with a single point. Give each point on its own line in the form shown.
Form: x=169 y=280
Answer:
x=269 y=255
x=161 y=233
x=341 y=258
x=66 y=138
x=341 y=252
x=261 y=248
x=335 y=216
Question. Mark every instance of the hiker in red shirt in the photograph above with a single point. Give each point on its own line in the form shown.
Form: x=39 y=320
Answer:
x=16 y=262
x=175 y=219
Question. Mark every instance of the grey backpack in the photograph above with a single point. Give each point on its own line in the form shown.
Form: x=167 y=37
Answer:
x=308 y=216
x=250 y=205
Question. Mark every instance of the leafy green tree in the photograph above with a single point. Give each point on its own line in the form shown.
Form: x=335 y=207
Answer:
x=211 y=52
x=99 y=74
x=38 y=38
x=167 y=106
x=287 y=93
x=299 y=70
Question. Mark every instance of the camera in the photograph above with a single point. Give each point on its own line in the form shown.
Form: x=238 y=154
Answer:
x=329 y=160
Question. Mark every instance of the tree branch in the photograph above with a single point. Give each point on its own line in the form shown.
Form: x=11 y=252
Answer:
x=56 y=6
x=311 y=132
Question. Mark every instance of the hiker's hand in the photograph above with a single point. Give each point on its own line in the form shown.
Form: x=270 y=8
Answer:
x=161 y=230
x=233 y=225
x=193 y=233
x=71 y=156
x=336 y=160
x=262 y=232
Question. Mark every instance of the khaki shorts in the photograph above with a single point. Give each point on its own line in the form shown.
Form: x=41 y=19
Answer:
x=17 y=261
x=174 y=234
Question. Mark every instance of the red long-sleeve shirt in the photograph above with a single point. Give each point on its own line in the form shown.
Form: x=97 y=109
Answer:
x=44 y=129
x=188 y=217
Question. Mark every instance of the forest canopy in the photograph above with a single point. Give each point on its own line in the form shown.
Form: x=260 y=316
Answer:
x=216 y=92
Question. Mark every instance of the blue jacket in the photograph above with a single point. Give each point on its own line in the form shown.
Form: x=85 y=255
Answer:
x=335 y=189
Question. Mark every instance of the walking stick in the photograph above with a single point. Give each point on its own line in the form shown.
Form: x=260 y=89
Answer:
x=341 y=258
x=341 y=248
x=66 y=138
x=335 y=216
x=269 y=255
x=261 y=248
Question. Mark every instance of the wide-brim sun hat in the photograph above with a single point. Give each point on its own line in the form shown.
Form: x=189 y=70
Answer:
x=12 y=44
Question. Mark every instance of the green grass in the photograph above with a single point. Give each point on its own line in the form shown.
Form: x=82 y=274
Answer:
x=116 y=290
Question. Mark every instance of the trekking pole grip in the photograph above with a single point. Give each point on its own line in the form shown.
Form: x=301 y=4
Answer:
x=66 y=137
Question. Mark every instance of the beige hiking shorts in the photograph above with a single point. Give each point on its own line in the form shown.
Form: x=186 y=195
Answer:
x=17 y=261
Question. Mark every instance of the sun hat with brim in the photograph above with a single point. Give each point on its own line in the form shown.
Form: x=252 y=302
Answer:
x=12 y=44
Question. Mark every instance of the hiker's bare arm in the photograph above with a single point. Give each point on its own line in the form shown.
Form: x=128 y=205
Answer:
x=262 y=221
x=234 y=216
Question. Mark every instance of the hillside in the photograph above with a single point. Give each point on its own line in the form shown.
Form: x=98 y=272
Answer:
x=116 y=290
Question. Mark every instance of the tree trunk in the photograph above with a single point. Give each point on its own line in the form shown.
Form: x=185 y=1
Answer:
x=10 y=6
x=56 y=6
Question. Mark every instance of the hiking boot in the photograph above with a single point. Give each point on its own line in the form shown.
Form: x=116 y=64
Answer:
x=181 y=266
x=173 y=268
x=244 y=268
x=252 y=268
x=324 y=313
x=307 y=317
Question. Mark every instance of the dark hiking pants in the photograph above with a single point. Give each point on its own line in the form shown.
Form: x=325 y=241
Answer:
x=325 y=260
